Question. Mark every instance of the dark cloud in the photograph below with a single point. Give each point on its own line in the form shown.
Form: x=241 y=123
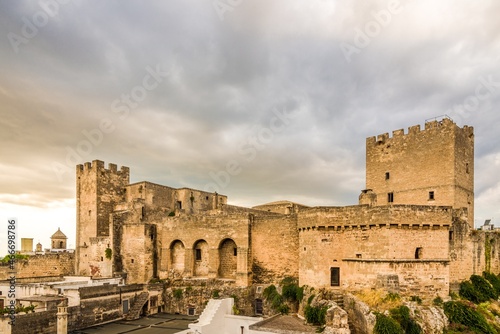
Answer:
x=226 y=81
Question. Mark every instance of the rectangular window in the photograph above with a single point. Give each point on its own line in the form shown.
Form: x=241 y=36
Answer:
x=335 y=276
x=179 y=205
x=198 y=254
x=390 y=197
x=235 y=251
x=431 y=195
x=387 y=175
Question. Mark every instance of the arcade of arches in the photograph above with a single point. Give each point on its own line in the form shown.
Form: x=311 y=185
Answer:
x=201 y=261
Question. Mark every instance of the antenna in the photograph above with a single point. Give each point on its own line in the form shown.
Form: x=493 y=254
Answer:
x=440 y=117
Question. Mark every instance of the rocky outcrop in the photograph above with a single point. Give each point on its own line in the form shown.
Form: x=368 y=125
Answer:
x=431 y=319
x=361 y=317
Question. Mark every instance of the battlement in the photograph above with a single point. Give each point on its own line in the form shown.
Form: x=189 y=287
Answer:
x=99 y=165
x=393 y=216
x=430 y=127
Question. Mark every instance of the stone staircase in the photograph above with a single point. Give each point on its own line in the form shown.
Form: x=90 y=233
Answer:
x=135 y=310
x=212 y=316
x=338 y=298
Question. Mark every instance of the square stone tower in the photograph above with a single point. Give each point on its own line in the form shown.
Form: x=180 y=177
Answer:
x=434 y=166
x=97 y=191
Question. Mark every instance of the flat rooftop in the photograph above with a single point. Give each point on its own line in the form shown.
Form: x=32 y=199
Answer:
x=284 y=324
x=160 y=323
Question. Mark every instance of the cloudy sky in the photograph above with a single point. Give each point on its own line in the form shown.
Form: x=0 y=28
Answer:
x=259 y=100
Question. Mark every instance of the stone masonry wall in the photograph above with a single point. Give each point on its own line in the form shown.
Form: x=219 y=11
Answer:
x=189 y=231
x=472 y=252
x=364 y=242
x=275 y=248
x=414 y=164
x=97 y=191
x=58 y=264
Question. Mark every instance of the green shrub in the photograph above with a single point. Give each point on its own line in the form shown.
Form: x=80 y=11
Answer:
x=171 y=214
x=494 y=281
x=108 y=252
x=460 y=313
x=402 y=315
x=17 y=257
x=283 y=309
x=438 y=301
x=484 y=287
x=310 y=299
x=469 y=292
x=386 y=325
x=416 y=299
x=391 y=296
x=177 y=293
x=215 y=294
x=315 y=315
x=291 y=290
x=269 y=291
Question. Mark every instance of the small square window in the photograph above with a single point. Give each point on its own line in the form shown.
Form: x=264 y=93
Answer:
x=390 y=197
x=198 y=254
x=387 y=175
x=431 y=195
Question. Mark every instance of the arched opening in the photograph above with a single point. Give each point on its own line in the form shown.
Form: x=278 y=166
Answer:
x=228 y=259
x=177 y=256
x=418 y=253
x=201 y=264
x=61 y=244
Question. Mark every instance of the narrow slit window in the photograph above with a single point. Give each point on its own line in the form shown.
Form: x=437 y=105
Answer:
x=390 y=197
x=387 y=175
x=431 y=195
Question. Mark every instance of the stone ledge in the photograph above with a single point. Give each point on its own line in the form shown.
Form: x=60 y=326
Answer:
x=397 y=260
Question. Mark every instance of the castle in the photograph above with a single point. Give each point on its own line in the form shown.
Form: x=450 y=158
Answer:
x=410 y=232
x=144 y=248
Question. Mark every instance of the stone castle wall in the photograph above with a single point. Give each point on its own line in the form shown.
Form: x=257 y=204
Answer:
x=57 y=264
x=181 y=236
x=369 y=245
x=275 y=248
x=97 y=191
x=438 y=159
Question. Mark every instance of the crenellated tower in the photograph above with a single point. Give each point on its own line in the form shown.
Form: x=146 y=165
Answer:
x=434 y=166
x=97 y=191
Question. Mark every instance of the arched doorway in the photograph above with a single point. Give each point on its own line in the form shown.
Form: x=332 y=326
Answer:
x=201 y=263
x=228 y=254
x=177 y=256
